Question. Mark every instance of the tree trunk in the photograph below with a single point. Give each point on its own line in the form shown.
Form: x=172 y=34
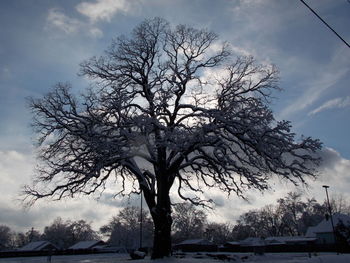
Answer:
x=162 y=234
x=161 y=214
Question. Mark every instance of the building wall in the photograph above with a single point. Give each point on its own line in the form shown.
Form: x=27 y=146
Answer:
x=325 y=238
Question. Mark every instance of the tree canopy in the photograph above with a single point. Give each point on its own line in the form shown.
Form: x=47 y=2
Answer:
x=168 y=106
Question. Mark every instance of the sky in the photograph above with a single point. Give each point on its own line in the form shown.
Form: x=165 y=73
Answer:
x=42 y=42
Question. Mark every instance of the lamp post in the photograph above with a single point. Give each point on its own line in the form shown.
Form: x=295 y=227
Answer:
x=330 y=212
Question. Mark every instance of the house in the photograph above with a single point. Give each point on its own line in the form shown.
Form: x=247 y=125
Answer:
x=271 y=244
x=194 y=245
x=87 y=245
x=324 y=230
x=255 y=244
x=2 y=247
x=39 y=246
x=231 y=246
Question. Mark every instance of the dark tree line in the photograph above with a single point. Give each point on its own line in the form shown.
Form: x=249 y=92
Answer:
x=291 y=215
x=61 y=233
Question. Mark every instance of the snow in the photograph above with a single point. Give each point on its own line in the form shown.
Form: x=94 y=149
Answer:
x=288 y=239
x=192 y=258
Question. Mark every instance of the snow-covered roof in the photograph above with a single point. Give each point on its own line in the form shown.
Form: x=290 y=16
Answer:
x=252 y=241
x=36 y=246
x=326 y=226
x=195 y=242
x=86 y=244
x=288 y=239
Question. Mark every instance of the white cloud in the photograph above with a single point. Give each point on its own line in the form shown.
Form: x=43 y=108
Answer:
x=58 y=20
x=15 y=169
x=336 y=103
x=102 y=9
x=96 y=32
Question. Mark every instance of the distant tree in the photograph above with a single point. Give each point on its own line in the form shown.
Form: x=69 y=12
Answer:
x=20 y=239
x=241 y=231
x=81 y=231
x=259 y=223
x=339 y=204
x=219 y=233
x=289 y=217
x=58 y=233
x=292 y=208
x=271 y=222
x=313 y=214
x=188 y=222
x=66 y=233
x=342 y=232
x=33 y=235
x=6 y=236
x=169 y=108
x=123 y=230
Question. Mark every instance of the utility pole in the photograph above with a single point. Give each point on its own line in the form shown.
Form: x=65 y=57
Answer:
x=141 y=222
x=330 y=212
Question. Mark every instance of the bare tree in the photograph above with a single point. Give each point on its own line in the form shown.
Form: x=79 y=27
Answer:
x=292 y=208
x=123 y=230
x=339 y=204
x=6 y=236
x=219 y=233
x=188 y=222
x=167 y=107
x=66 y=233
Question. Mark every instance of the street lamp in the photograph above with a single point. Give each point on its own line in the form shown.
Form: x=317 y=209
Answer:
x=330 y=211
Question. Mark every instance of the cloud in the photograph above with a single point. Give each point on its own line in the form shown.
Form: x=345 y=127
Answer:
x=313 y=91
x=58 y=20
x=5 y=73
x=333 y=171
x=102 y=10
x=336 y=103
x=15 y=169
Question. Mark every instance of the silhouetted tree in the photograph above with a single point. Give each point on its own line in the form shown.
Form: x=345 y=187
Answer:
x=188 y=222
x=6 y=236
x=313 y=214
x=339 y=204
x=124 y=229
x=342 y=232
x=219 y=233
x=169 y=108
x=292 y=208
x=66 y=233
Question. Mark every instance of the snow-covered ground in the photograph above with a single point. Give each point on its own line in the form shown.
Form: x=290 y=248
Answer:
x=191 y=258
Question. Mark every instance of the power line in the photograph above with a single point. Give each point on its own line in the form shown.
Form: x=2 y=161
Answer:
x=325 y=23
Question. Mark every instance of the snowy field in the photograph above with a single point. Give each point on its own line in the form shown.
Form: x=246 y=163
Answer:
x=190 y=258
